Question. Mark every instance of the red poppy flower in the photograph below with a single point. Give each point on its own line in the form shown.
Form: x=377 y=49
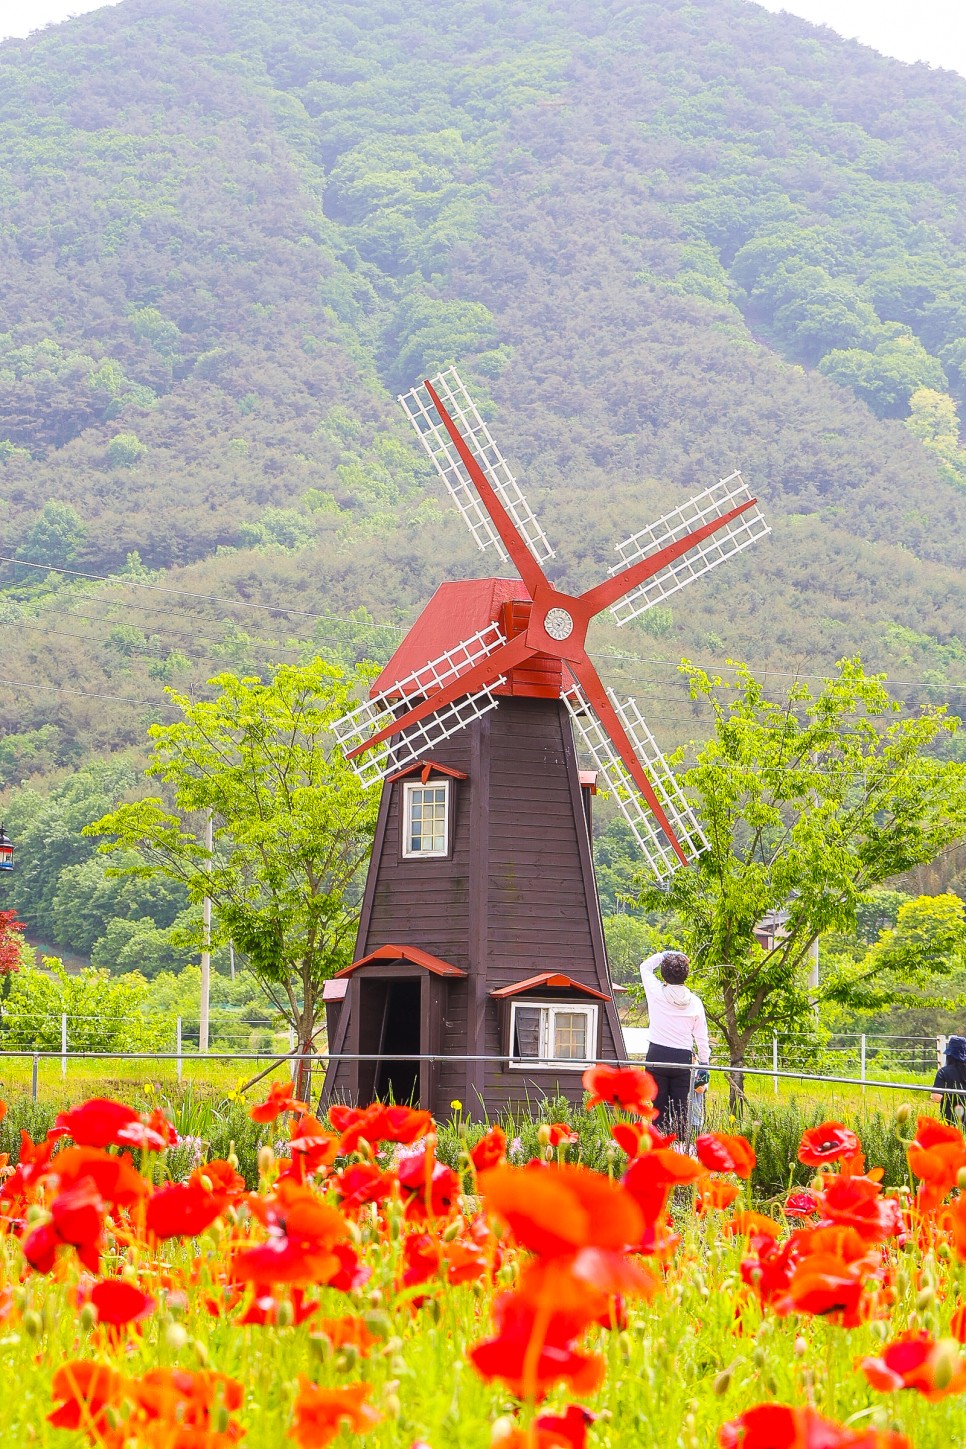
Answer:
x=490 y=1151
x=86 y=1391
x=630 y=1088
x=320 y=1413
x=429 y=1188
x=775 y=1426
x=262 y=1309
x=827 y=1286
x=347 y=1331
x=957 y=1324
x=3 y=1110
x=77 y=1220
x=360 y=1184
x=181 y=1210
x=116 y=1179
x=715 y=1195
x=511 y=1355
x=119 y=1302
x=556 y=1210
x=550 y=1431
x=558 y=1134
x=857 y=1202
x=721 y=1153
x=829 y=1142
x=650 y=1178
x=800 y=1205
x=95 y=1123
x=936 y=1156
x=916 y=1361
x=279 y=1100
x=151 y=1133
x=220 y=1178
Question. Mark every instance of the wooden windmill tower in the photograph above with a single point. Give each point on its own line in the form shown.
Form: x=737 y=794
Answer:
x=480 y=942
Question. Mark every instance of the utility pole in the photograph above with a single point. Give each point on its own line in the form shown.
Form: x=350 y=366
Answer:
x=206 y=949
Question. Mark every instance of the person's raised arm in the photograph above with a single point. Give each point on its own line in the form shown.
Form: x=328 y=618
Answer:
x=648 y=976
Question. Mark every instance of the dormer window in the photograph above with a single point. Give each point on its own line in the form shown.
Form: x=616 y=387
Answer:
x=426 y=819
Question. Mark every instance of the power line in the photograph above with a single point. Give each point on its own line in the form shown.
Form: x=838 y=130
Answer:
x=185 y=593
x=87 y=693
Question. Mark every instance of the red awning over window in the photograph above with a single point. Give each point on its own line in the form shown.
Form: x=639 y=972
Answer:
x=404 y=953
x=549 y=978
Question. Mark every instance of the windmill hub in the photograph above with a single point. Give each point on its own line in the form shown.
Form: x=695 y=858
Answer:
x=559 y=624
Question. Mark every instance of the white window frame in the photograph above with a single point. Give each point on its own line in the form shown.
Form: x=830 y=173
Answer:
x=409 y=789
x=550 y=1010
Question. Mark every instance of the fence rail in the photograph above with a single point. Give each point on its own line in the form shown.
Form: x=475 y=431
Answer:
x=317 y=1059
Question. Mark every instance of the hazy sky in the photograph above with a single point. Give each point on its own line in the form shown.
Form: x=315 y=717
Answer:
x=929 y=30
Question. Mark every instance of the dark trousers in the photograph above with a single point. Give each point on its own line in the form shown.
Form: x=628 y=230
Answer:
x=673 y=1087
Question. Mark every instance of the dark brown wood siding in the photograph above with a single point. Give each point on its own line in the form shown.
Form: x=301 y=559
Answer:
x=516 y=896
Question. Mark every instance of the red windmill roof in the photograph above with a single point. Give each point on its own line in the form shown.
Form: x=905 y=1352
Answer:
x=456 y=612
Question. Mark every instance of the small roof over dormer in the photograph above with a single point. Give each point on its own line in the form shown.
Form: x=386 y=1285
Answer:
x=548 y=978
x=588 y=780
x=412 y=954
x=424 y=769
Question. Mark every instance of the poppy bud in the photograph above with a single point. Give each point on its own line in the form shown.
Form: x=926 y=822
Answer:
x=903 y=1112
x=945 y=1361
x=232 y=1158
x=266 y=1160
x=320 y=1346
x=925 y=1298
x=801 y=1346
x=175 y=1336
x=221 y=1419
x=378 y=1323
x=722 y=1383
x=88 y=1317
x=433 y=1309
x=944 y=1251
x=376 y=1297
x=393 y=1346
x=961 y=1178
x=758 y=1357
x=201 y=1349
x=880 y=1328
x=501 y=1430
x=543 y=1134
x=206 y=1182
x=452 y=1231
x=347 y=1358
x=284 y=1315
x=32 y=1323
x=36 y=1216
x=392 y=1406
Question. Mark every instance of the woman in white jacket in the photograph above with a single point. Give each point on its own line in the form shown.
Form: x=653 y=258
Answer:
x=677 y=1026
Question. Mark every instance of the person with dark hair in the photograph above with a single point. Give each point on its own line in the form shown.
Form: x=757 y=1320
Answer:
x=677 y=1025
x=952 y=1077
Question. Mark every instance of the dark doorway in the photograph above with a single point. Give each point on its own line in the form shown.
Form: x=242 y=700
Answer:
x=396 y=1080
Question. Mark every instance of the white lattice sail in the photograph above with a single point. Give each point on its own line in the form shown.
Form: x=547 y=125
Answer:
x=421 y=411
x=413 y=743
x=593 y=737
x=716 y=501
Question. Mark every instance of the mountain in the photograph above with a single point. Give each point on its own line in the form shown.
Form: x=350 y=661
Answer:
x=662 y=240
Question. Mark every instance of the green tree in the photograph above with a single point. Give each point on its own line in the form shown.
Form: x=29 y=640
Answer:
x=55 y=535
x=808 y=805
x=105 y=1014
x=292 y=826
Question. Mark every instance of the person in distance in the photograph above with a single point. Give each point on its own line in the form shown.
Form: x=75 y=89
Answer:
x=677 y=1026
x=951 y=1076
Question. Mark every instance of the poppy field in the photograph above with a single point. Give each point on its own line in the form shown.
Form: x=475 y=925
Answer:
x=367 y=1293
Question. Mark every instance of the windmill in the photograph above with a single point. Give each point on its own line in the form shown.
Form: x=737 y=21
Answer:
x=491 y=693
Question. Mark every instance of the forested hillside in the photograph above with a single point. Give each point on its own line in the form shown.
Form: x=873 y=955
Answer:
x=662 y=240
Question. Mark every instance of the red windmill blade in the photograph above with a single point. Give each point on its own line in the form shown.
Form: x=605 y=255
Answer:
x=458 y=686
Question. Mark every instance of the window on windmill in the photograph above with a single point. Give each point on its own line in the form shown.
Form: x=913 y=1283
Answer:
x=552 y=1033
x=426 y=819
